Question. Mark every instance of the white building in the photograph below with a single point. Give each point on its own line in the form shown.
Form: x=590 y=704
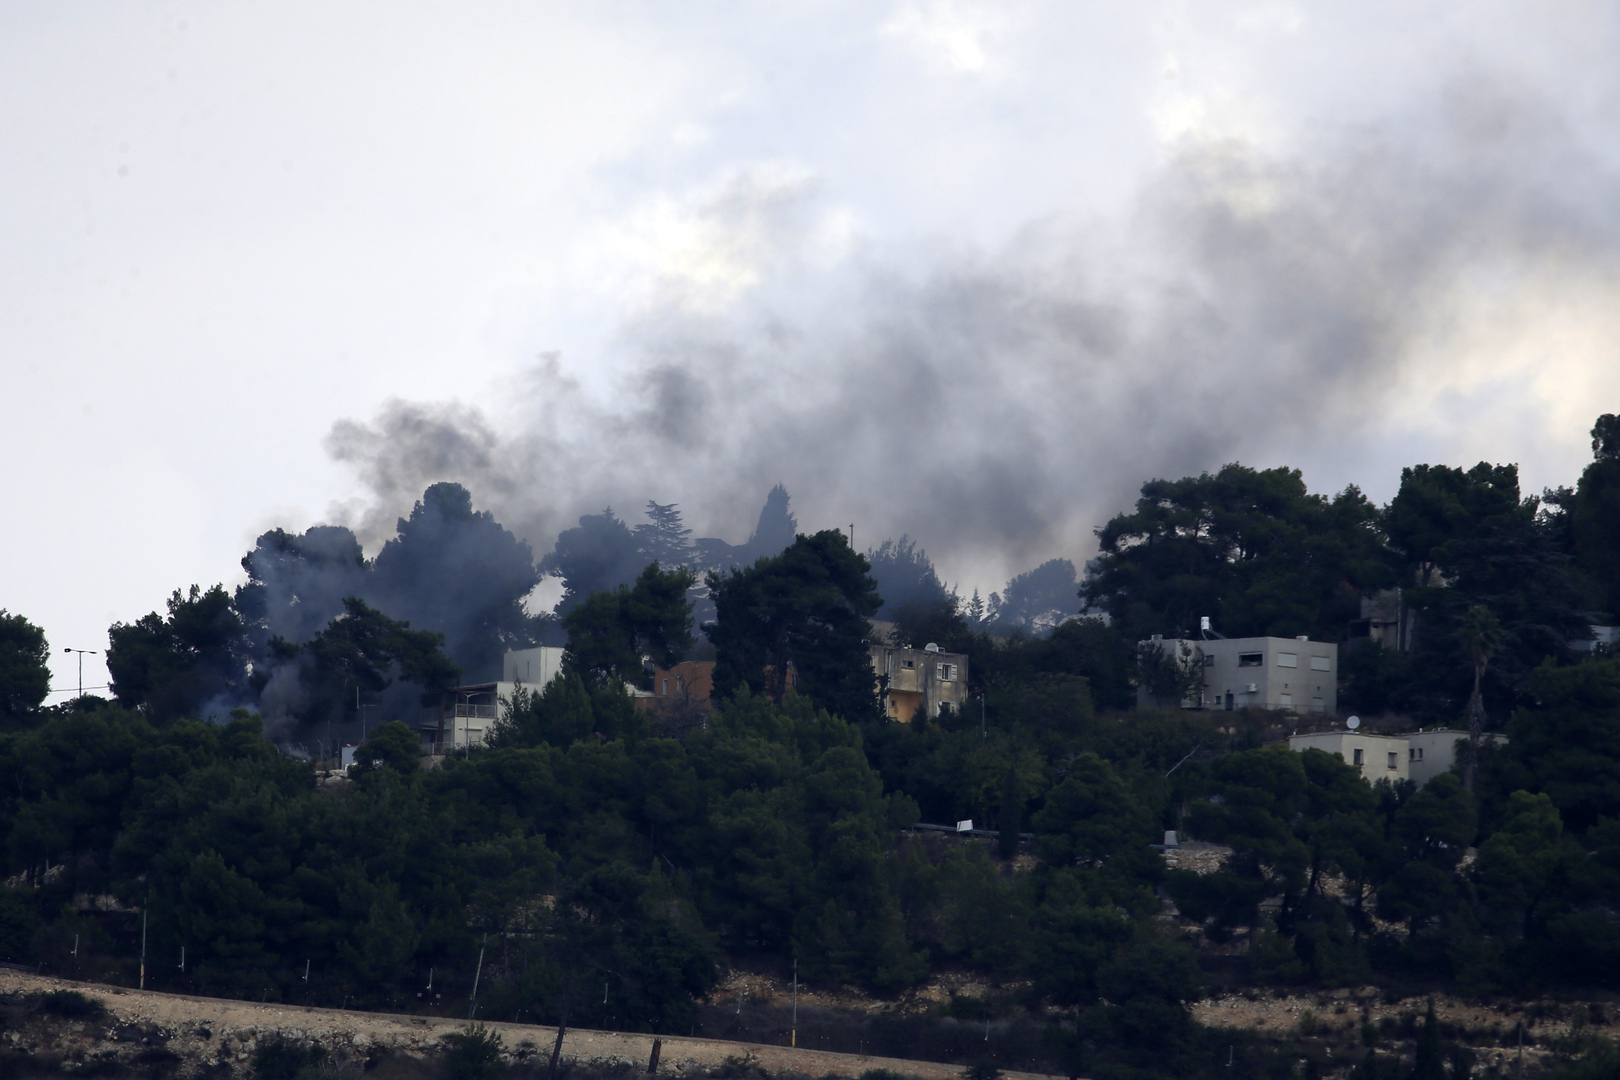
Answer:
x=1418 y=756
x=532 y=667
x=464 y=715
x=1261 y=672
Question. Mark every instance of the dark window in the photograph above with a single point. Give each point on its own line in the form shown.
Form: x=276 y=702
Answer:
x=1251 y=659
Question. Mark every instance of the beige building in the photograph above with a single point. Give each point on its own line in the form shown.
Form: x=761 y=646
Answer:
x=1378 y=757
x=920 y=680
x=1260 y=672
x=1418 y=756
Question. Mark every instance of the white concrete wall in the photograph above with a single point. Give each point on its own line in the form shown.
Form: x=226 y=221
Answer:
x=534 y=668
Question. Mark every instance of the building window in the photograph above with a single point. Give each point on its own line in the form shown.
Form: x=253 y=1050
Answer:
x=1286 y=700
x=1251 y=659
x=1415 y=754
x=1321 y=663
x=1209 y=661
x=1394 y=756
x=1287 y=659
x=947 y=672
x=666 y=688
x=908 y=663
x=1357 y=759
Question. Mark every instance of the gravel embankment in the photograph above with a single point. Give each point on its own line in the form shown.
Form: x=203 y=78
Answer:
x=208 y=1032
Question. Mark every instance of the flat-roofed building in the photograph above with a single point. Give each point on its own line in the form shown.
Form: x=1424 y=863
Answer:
x=1259 y=672
x=464 y=715
x=1430 y=753
x=1418 y=756
x=688 y=683
x=1376 y=757
x=534 y=667
x=920 y=680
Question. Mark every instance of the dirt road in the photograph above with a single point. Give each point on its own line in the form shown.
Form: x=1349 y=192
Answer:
x=206 y=1032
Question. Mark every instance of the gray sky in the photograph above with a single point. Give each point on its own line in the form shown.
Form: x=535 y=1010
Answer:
x=970 y=271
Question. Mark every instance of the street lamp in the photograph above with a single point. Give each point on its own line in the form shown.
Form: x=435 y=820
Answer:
x=82 y=654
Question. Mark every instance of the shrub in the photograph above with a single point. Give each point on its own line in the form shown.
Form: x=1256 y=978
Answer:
x=280 y=1058
x=70 y=1005
x=746 y=1067
x=472 y=1054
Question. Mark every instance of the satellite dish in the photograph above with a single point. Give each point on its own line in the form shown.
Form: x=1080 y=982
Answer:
x=1353 y=723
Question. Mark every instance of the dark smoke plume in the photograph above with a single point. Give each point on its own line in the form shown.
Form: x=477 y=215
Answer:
x=1000 y=408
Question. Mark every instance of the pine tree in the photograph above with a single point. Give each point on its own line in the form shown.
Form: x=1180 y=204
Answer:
x=664 y=539
x=1430 y=1057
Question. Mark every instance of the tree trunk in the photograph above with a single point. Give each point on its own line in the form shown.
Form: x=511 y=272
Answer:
x=1476 y=727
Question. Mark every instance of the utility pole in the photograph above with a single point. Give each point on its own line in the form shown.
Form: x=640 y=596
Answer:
x=472 y=1002
x=144 y=906
x=984 y=730
x=796 y=996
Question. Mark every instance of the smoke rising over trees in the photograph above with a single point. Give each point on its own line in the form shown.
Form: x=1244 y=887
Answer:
x=781 y=828
x=1033 y=380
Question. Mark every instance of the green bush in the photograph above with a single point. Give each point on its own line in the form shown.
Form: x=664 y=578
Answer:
x=71 y=1005
x=280 y=1058
x=746 y=1067
x=472 y=1054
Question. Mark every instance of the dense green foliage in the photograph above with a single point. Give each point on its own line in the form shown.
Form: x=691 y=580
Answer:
x=1249 y=548
x=595 y=865
x=805 y=610
x=610 y=632
x=24 y=678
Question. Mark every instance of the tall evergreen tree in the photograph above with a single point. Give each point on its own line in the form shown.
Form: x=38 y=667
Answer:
x=1251 y=549
x=25 y=680
x=460 y=573
x=1595 y=517
x=597 y=555
x=195 y=659
x=662 y=538
x=1463 y=539
x=611 y=631
x=807 y=608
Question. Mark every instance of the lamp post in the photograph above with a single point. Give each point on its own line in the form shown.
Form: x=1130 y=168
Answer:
x=82 y=654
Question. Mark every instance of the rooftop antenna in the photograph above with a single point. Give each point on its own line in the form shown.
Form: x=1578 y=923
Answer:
x=1353 y=723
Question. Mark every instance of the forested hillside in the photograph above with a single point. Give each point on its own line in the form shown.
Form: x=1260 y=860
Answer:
x=601 y=866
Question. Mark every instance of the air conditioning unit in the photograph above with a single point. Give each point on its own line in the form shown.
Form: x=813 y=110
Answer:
x=1252 y=688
